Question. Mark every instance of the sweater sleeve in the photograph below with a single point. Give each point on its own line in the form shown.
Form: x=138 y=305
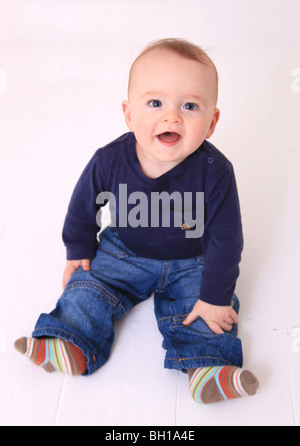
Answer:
x=222 y=240
x=80 y=227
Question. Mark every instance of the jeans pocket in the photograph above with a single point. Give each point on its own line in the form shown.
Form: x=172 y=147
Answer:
x=111 y=243
x=116 y=253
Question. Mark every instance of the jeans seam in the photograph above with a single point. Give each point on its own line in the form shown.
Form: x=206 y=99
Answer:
x=162 y=285
x=111 y=298
x=198 y=357
x=176 y=319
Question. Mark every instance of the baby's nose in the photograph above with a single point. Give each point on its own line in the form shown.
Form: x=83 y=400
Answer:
x=172 y=115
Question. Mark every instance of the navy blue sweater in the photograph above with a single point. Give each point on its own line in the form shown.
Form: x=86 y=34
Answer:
x=207 y=170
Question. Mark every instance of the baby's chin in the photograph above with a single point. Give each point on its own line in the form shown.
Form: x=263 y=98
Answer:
x=170 y=155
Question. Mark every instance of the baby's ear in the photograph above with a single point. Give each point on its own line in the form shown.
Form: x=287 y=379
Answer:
x=127 y=113
x=213 y=123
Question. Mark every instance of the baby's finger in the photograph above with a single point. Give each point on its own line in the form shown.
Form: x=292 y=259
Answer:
x=229 y=320
x=234 y=316
x=190 y=318
x=226 y=326
x=86 y=264
x=68 y=272
x=66 y=277
x=215 y=327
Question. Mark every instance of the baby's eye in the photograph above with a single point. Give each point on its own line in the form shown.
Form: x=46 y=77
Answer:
x=155 y=103
x=190 y=106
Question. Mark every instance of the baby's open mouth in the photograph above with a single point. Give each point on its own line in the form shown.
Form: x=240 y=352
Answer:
x=169 y=137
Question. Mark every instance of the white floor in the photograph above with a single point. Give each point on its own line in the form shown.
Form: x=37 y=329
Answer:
x=63 y=74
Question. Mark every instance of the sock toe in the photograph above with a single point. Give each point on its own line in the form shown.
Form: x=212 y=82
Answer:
x=214 y=384
x=49 y=368
x=21 y=345
x=249 y=382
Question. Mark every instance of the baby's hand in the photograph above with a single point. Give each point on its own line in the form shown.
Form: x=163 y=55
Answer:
x=219 y=319
x=72 y=266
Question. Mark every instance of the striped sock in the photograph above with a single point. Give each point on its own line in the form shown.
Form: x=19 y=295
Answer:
x=53 y=354
x=214 y=384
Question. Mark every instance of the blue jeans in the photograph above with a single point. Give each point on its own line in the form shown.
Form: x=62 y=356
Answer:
x=118 y=280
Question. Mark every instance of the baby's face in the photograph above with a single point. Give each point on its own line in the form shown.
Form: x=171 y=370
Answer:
x=171 y=106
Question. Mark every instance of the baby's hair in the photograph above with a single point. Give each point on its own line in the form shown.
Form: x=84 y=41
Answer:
x=181 y=47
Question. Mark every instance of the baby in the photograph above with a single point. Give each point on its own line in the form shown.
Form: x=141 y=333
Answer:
x=176 y=233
